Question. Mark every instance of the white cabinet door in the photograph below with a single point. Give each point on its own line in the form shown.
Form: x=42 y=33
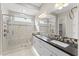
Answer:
x=35 y=42
x=47 y=46
x=36 y=45
x=45 y=49
x=54 y=50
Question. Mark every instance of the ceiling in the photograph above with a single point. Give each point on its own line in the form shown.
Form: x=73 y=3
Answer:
x=38 y=8
x=70 y=6
x=50 y=8
x=36 y=4
x=33 y=8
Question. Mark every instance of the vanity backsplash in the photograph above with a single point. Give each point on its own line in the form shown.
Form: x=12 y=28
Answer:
x=68 y=40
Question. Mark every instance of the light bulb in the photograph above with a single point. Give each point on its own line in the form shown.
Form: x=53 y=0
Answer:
x=56 y=5
x=60 y=7
x=43 y=15
x=66 y=4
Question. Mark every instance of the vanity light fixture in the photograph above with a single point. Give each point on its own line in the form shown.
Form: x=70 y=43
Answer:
x=43 y=15
x=61 y=5
x=66 y=4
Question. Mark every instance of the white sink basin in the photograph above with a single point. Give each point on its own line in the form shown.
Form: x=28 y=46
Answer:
x=60 y=43
x=38 y=35
x=43 y=37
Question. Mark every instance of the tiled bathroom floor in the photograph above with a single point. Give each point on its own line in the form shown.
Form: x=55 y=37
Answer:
x=22 y=52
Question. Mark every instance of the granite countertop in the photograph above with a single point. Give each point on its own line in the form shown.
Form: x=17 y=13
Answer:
x=69 y=50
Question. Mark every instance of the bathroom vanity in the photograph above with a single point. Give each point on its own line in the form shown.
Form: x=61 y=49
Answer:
x=46 y=47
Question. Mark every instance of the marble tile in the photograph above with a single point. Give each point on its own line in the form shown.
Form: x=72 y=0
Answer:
x=22 y=52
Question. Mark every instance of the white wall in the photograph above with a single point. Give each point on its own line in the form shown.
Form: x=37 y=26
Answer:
x=49 y=25
x=70 y=26
x=0 y=29
x=52 y=25
x=78 y=29
x=57 y=25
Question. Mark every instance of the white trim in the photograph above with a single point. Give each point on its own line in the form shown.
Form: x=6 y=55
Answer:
x=35 y=52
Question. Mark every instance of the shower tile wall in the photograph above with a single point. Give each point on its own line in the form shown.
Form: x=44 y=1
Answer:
x=18 y=35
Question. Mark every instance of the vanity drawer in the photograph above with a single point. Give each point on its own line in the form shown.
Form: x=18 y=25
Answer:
x=44 y=51
x=53 y=49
